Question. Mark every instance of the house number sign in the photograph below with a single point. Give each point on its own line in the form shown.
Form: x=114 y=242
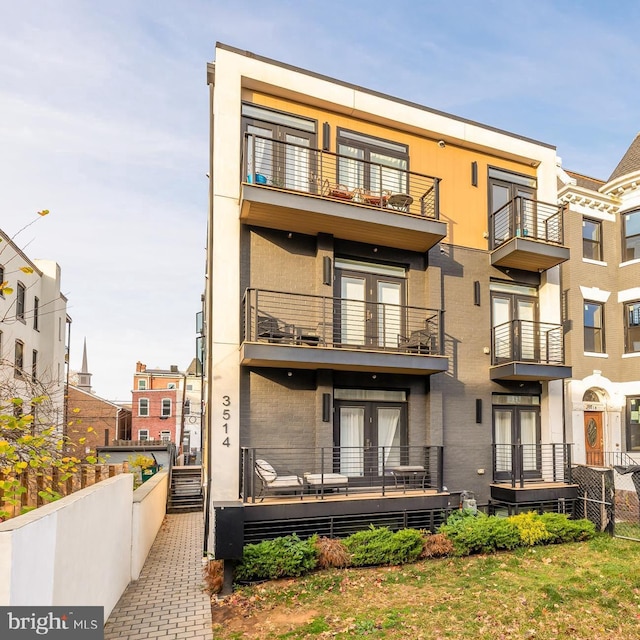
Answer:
x=226 y=416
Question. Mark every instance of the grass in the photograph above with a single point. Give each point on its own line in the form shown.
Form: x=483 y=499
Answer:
x=587 y=591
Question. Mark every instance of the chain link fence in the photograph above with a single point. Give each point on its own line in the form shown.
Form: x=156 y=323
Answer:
x=609 y=498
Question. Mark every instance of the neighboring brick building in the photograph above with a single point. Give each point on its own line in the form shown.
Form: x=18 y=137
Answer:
x=157 y=404
x=93 y=421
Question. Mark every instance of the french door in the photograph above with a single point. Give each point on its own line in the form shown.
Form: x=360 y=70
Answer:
x=280 y=156
x=513 y=319
x=370 y=308
x=509 y=221
x=521 y=426
x=369 y=437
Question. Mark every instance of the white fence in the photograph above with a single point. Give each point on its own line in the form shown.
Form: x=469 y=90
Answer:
x=83 y=549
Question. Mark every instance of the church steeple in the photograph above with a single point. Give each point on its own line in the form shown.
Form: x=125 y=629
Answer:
x=84 y=377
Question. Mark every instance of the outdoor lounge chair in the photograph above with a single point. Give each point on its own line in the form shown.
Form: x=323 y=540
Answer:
x=320 y=482
x=273 y=330
x=272 y=483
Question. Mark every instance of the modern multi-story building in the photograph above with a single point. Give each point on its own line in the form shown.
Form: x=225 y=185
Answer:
x=383 y=308
x=157 y=404
x=34 y=331
x=601 y=300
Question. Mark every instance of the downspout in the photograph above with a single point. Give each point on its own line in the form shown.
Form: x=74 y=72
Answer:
x=208 y=315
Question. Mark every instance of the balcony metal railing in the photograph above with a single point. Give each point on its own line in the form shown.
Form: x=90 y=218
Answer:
x=527 y=341
x=526 y=218
x=317 y=473
x=517 y=463
x=322 y=321
x=610 y=459
x=301 y=169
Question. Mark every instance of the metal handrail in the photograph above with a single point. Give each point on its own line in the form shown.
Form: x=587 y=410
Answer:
x=298 y=168
x=527 y=218
x=324 y=321
x=527 y=341
x=316 y=472
x=517 y=463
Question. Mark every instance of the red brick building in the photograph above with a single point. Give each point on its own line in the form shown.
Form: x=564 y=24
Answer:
x=157 y=404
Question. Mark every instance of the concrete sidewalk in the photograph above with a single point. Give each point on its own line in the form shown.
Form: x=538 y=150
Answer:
x=167 y=602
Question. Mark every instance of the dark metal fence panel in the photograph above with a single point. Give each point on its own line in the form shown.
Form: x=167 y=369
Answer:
x=596 y=496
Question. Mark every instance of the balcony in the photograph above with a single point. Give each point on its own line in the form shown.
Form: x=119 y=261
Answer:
x=532 y=474
x=290 y=330
x=299 y=189
x=526 y=350
x=527 y=234
x=275 y=474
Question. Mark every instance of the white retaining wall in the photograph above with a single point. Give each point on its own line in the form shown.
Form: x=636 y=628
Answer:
x=79 y=550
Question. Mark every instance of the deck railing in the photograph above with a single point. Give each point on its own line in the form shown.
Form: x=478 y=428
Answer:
x=317 y=473
x=526 y=218
x=517 y=463
x=322 y=321
x=299 y=168
x=527 y=341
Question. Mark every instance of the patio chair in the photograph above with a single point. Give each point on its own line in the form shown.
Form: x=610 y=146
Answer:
x=420 y=341
x=337 y=191
x=320 y=482
x=374 y=198
x=272 y=483
x=274 y=330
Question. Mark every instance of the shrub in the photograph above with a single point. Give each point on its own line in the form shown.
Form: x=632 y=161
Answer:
x=480 y=534
x=382 y=546
x=332 y=553
x=531 y=528
x=283 y=557
x=436 y=545
x=561 y=529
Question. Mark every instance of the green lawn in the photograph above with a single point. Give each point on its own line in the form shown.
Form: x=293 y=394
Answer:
x=587 y=591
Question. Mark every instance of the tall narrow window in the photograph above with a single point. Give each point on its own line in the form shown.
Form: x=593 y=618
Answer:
x=34 y=365
x=20 y=293
x=594 y=327
x=166 y=407
x=36 y=311
x=187 y=406
x=632 y=327
x=631 y=242
x=19 y=358
x=143 y=407
x=591 y=239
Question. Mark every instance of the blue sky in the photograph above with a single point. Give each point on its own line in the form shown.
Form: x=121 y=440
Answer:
x=103 y=121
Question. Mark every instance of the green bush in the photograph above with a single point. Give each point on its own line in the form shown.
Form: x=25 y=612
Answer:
x=561 y=529
x=480 y=534
x=379 y=546
x=283 y=557
x=531 y=528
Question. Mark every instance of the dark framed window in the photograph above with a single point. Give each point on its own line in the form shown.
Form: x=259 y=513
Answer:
x=633 y=423
x=372 y=163
x=19 y=358
x=631 y=241
x=143 y=407
x=594 y=327
x=20 y=294
x=34 y=365
x=36 y=312
x=591 y=239
x=632 y=327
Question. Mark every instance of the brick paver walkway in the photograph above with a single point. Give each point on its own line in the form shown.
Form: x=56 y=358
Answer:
x=167 y=601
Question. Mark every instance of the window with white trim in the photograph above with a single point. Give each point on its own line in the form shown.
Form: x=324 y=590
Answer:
x=166 y=407
x=165 y=436
x=143 y=407
x=143 y=434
